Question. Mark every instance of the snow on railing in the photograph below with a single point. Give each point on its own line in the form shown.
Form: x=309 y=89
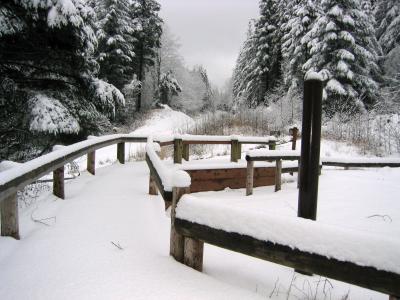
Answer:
x=170 y=176
x=343 y=244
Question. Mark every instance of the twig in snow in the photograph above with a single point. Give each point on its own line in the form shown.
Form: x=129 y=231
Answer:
x=290 y=286
x=384 y=217
x=276 y=282
x=117 y=245
x=42 y=221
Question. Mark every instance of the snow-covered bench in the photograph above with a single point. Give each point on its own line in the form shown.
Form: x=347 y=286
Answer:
x=353 y=162
x=352 y=256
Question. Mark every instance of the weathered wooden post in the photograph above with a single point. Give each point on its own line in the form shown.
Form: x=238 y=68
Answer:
x=58 y=183
x=278 y=175
x=152 y=185
x=294 y=132
x=177 y=241
x=272 y=145
x=91 y=162
x=185 y=151
x=178 y=147
x=9 y=217
x=193 y=253
x=310 y=148
x=235 y=150
x=249 y=177
x=121 y=152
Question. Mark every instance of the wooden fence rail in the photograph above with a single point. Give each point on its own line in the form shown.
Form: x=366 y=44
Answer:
x=17 y=178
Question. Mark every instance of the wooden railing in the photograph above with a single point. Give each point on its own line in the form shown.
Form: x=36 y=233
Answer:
x=15 y=179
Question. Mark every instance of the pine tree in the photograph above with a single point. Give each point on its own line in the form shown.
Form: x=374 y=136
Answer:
x=268 y=57
x=147 y=37
x=168 y=87
x=296 y=44
x=115 y=30
x=388 y=20
x=246 y=83
x=46 y=61
x=342 y=51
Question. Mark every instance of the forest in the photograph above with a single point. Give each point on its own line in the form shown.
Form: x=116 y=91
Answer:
x=74 y=68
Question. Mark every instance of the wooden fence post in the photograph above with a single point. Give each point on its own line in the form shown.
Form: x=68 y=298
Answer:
x=91 y=162
x=178 y=145
x=295 y=132
x=121 y=152
x=272 y=145
x=249 y=178
x=193 y=253
x=177 y=241
x=152 y=185
x=310 y=149
x=185 y=151
x=58 y=183
x=278 y=175
x=9 y=217
x=235 y=150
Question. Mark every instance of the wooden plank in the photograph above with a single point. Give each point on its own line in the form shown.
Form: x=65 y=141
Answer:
x=9 y=217
x=121 y=152
x=193 y=253
x=249 y=178
x=178 y=151
x=58 y=183
x=272 y=157
x=188 y=142
x=229 y=173
x=360 y=165
x=91 y=162
x=177 y=241
x=166 y=195
x=364 y=276
x=278 y=175
x=233 y=183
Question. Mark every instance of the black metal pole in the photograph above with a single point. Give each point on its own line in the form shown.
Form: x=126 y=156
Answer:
x=310 y=149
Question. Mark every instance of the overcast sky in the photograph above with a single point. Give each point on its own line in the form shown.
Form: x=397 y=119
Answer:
x=211 y=32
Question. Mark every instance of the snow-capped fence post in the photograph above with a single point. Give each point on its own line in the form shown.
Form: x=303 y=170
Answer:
x=249 y=177
x=178 y=145
x=9 y=217
x=177 y=241
x=58 y=183
x=310 y=147
x=91 y=162
x=121 y=152
x=185 y=151
x=278 y=175
x=235 y=150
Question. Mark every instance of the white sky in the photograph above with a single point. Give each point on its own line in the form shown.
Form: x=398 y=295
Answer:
x=211 y=32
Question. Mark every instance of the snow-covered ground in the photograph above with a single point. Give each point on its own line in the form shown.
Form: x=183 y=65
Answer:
x=73 y=257
x=70 y=249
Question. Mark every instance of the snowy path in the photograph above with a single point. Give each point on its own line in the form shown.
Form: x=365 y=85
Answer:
x=74 y=258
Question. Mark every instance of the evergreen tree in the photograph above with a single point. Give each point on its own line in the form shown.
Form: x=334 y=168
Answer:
x=296 y=44
x=168 y=87
x=388 y=20
x=245 y=87
x=268 y=58
x=115 y=33
x=48 y=71
x=342 y=51
x=147 y=37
